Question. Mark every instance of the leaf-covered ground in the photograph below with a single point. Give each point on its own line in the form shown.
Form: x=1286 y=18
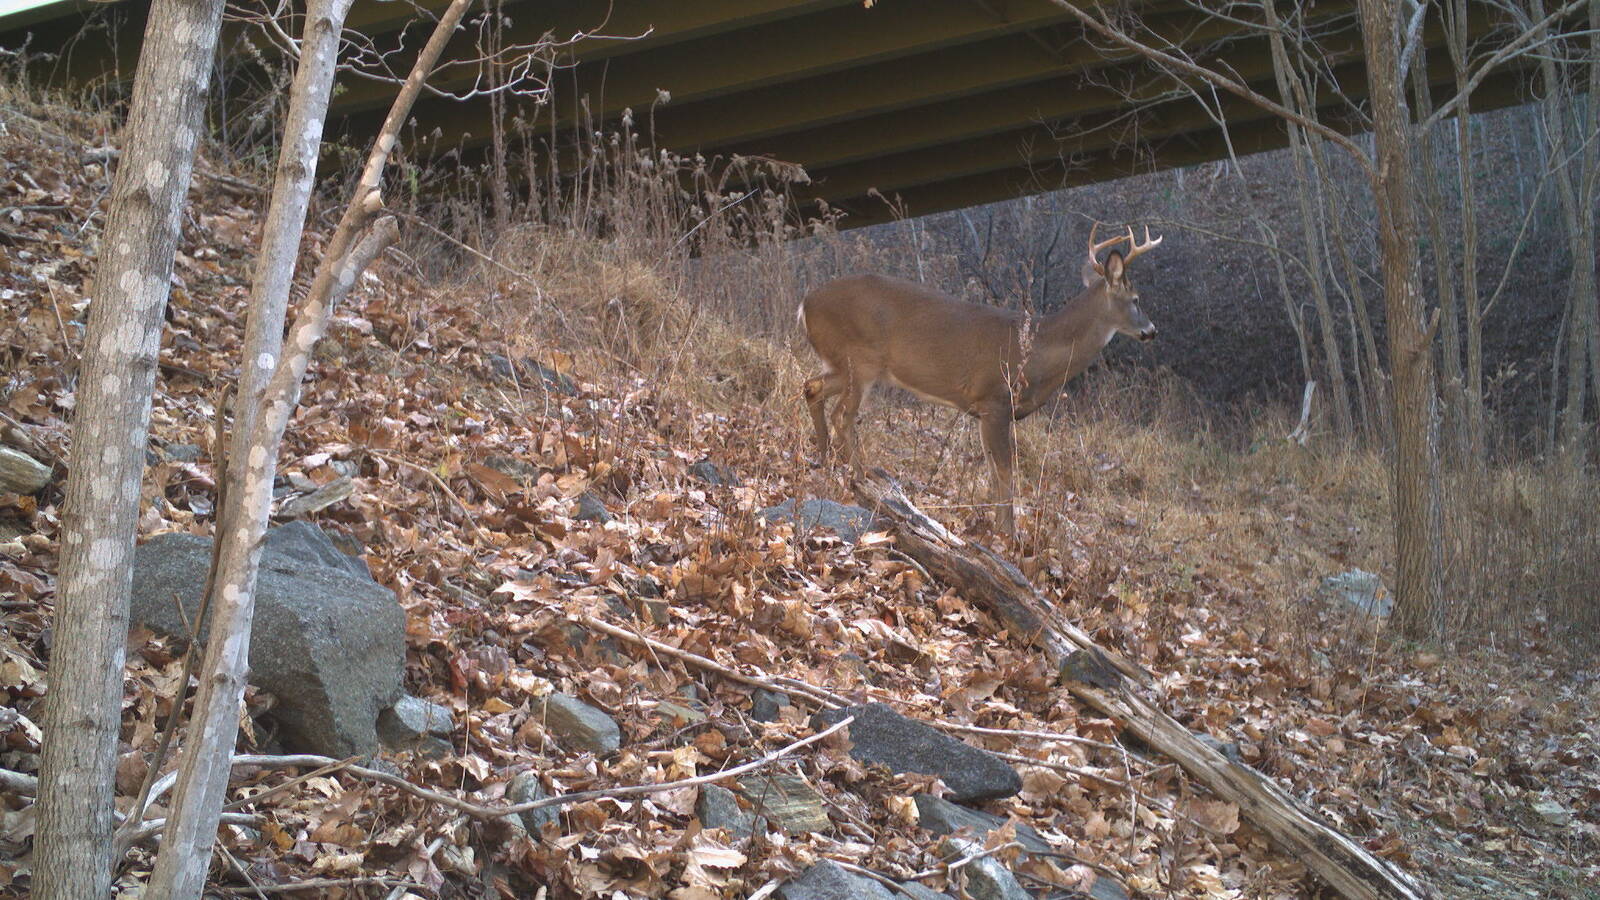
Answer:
x=1476 y=769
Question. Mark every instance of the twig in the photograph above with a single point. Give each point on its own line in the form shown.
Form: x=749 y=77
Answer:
x=1037 y=735
x=428 y=852
x=479 y=811
x=947 y=868
x=865 y=872
x=324 y=884
x=482 y=532
x=277 y=789
x=819 y=696
x=1108 y=782
x=19 y=783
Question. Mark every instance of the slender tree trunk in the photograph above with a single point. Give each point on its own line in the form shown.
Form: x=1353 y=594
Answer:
x=1433 y=204
x=1417 y=515
x=1293 y=96
x=1472 y=303
x=361 y=235
x=83 y=711
x=186 y=851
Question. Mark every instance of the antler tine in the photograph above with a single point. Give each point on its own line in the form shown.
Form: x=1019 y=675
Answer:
x=1135 y=248
x=1094 y=249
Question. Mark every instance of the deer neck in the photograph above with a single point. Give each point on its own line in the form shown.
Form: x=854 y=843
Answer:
x=1068 y=340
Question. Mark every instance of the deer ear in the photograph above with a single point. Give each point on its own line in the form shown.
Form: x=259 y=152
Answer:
x=1091 y=273
x=1113 y=267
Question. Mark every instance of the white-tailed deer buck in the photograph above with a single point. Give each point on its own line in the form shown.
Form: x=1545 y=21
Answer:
x=994 y=364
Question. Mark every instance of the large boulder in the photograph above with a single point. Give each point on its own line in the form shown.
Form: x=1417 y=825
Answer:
x=328 y=642
x=881 y=735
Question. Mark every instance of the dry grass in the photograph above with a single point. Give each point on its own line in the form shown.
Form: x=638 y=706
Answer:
x=1133 y=479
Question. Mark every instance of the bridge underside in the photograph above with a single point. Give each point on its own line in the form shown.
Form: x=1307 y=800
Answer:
x=892 y=108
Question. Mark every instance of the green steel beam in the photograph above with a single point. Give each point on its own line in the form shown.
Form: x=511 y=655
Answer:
x=1108 y=163
x=830 y=41
x=638 y=25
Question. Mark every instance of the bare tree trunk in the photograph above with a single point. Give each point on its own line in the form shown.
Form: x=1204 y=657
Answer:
x=203 y=774
x=1433 y=204
x=1417 y=517
x=1293 y=95
x=1476 y=424
x=83 y=711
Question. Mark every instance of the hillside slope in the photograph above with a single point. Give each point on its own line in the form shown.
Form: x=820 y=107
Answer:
x=1193 y=558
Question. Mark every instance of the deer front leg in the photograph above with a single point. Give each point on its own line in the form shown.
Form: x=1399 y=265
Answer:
x=995 y=427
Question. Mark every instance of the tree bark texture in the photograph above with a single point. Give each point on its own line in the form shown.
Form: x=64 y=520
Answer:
x=132 y=277
x=360 y=236
x=1417 y=514
x=1118 y=688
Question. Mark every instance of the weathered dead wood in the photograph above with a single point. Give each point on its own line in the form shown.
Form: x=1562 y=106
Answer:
x=1110 y=684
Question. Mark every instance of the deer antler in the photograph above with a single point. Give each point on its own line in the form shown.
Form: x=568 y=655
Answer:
x=1135 y=248
x=1094 y=249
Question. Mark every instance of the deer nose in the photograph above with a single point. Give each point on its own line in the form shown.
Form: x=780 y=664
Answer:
x=1147 y=333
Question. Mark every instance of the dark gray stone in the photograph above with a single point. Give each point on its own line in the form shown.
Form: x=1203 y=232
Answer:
x=525 y=787
x=181 y=452
x=713 y=474
x=986 y=878
x=881 y=735
x=577 y=725
x=416 y=724
x=719 y=807
x=787 y=801
x=940 y=816
x=327 y=643
x=524 y=473
x=765 y=705
x=591 y=509
x=1228 y=749
x=828 y=881
x=303 y=541
x=848 y=522
x=530 y=373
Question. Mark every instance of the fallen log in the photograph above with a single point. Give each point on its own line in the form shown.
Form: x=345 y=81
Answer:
x=1111 y=685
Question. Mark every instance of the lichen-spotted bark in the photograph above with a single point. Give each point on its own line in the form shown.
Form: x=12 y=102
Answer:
x=362 y=233
x=83 y=709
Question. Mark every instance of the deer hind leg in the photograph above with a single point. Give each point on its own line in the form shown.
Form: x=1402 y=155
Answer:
x=998 y=444
x=844 y=420
x=818 y=391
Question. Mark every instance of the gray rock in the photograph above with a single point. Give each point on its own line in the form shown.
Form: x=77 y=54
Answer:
x=713 y=474
x=828 y=881
x=881 y=735
x=848 y=522
x=416 y=724
x=525 y=787
x=591 y=509
x=987 y=878
x=181 y=452
x=1360 y=590
x=305 y=542
x=940 y=816
x=523 y=472
x=21 y=473
x=719 y=807
x=765 y=705
x=787 y=801
x=530 y=373
x=327 y=643
x=921 y=891
x=301 y=505
x=1228 y=749
x=577 y=725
